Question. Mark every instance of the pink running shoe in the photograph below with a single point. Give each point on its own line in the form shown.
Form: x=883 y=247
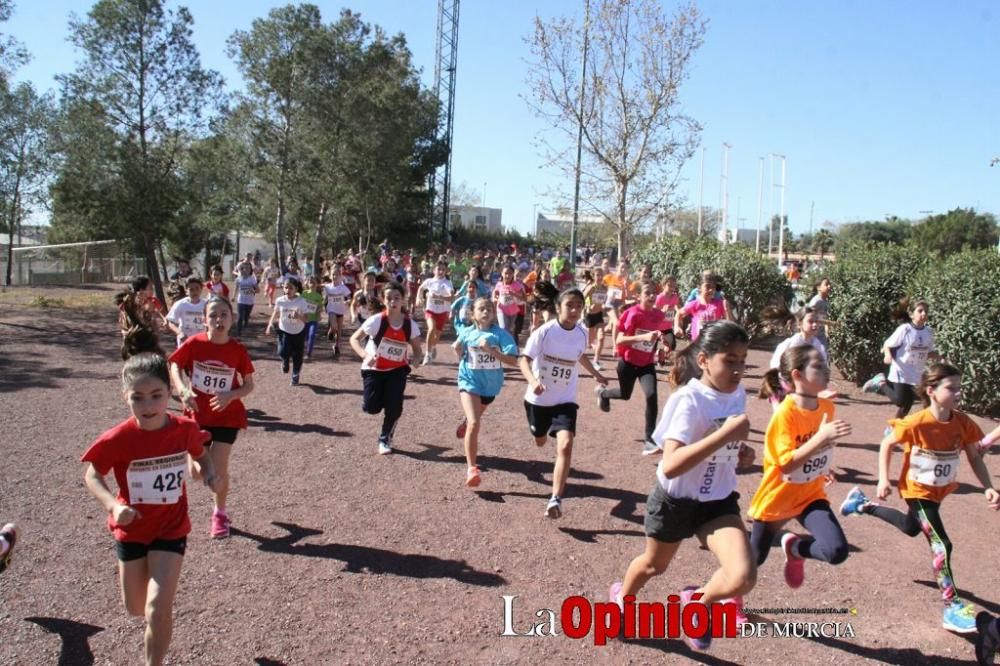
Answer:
x=794 y=565
x=697 y=644
x=9 y=534
x=220 y=525
x=472 y=477
x=741 y=617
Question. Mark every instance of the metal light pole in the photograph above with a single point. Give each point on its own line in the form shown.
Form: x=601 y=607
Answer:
x=781 y=217
x=725 y=191
x=760 y=200
x=579 y=139
x=534 y=218
x=701 y=191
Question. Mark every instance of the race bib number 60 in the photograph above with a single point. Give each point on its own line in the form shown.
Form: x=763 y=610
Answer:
x=933 y=468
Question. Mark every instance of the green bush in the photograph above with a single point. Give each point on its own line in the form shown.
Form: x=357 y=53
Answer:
x=868 y=280
x=751 y=281
x=963 y=296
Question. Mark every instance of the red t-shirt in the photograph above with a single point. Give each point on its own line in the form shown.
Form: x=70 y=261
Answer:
x=149 y=467
x=636 y=321
x=218 y=288
x=215 y=369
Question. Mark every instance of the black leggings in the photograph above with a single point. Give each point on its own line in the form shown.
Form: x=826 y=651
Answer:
x=627 y=376
x=291 y=347
x=924 y=516
x=383 y=392
x=902 y=395
x=826 y=541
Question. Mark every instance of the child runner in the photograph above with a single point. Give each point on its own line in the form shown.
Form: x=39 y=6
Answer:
x=669 y=301
x=481 y=349
x=906 y=352
x=367 y=300
x=798 y=453
x=246 y=292
x=8 y=539
x=932 y=440
x=548 y=362
x=774 y=386
x=216 y=285
x=543 y=303
x=438 y=293
x=138 y=320
x=706 y=308
x=271 y=275
x=639 y=331
x=212 y=373
x=187 y=316
x=290 y=311
x=313 y=297
x=461 y=309
x=820 y=303
x=596 y=295
x=508 y=295
x=700 y=432
x=336 y=294
x=386 y=361
x=148 y=517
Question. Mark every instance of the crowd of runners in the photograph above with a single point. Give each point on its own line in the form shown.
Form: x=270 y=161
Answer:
x=532 y=312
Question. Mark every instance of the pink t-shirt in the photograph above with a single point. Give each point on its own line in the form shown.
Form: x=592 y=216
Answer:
x=509 y=297
x=703 y=313
x=669 y=306
x=636 y=321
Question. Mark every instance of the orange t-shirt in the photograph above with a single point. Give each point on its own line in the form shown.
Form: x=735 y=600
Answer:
x=930 y=452
x=613 y=282
x=530 y=280
x=784 y=495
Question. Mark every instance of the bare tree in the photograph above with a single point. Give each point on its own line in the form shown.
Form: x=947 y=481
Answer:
x=635 y=139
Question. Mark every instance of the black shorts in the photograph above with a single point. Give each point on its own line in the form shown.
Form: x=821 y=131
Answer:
x=221 y=435
x=550 y=420
x=130 y=550
x=483 y=399
x=593 y=320
x=672 y=519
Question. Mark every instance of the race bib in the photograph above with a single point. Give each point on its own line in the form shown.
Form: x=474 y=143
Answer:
x=729 y=454
x=482 y=359
x=643 y=345
x=192 y=323
x=670 y=313
x=933 y=468
x=247 y=291
x=812 y=469
x=212 y=379
x=289 y=313
x=915 y=356
x=391 y=350
x=157 y=480
x=310 y=308
x=508 y=299
x=348 y=279
x=438 y=301
x=335 y=298
x=556 y=373
x=598 y=297
x=614 y=294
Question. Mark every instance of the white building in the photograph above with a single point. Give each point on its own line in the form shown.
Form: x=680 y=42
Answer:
x=478 y=218
x=560 y=221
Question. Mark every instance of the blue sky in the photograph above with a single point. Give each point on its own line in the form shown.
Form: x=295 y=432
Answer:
x=881 y=108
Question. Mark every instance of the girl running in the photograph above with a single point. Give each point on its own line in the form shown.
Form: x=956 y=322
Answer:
x=367 y=300
x=246 y=293
x=187 y=316
x=508 y=296
x=271 y=275
x=820 y=303
x=669 y=302
x=148 y=517
x=548 y=363
x=774 y=386
x=932 y=440
x=138 y=319
x=798 y=454
x=700 y=432
x=480 y=349
x=596 y=294
x=461 y=308
x=386 y=361
x=905 y=352
x=336 y=295
x=290 y=311
x=212 y=373
x=313 y=297
x=543 y=300
x=639 y=331
x=437 y=293
x=216 y=285
x=707 y=307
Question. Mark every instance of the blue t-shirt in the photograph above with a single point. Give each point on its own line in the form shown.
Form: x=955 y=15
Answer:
x=480 y=371
x=461 y=313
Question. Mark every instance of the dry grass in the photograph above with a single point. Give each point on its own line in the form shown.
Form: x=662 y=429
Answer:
x=91 y=297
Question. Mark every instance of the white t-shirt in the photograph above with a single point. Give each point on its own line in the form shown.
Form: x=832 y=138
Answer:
x=245 y=290
x=337 y=297
x=554 y=353
x=285 y=307
x=909 y=359
x=190 y=317
x=797 y=340
x=438 y=292
x=371 y=325
x=691 y=414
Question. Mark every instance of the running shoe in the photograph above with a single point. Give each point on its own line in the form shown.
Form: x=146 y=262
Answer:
x=602 y=402
x=295 y=380
x=285 y=366
x=472 y=478
x=615 y=593
x=888 y=431
x=427 y=360
x=220 y=524
x=9 y=534
x=329 y=334
x=434 y=354
x=597 y=366
x=794 y=565
x=697 y=644
x=336 y=351
x=741 y=617
x=462 y=427
x=384 y=447
x=988 y=640
x=651 y=448
x=959 y=616
x=874 y=385
x=554 y=508
x=853 y=503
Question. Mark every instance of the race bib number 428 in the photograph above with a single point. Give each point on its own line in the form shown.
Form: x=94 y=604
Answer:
x=157 y=480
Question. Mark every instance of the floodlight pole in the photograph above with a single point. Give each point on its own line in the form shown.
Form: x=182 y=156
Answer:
x=579 y=139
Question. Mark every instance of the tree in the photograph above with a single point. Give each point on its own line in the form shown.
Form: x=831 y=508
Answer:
x=635 y=138
x=822 y=242
x=684 y=222
x=893 y=230
x=957 y=230
x=141 y=82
